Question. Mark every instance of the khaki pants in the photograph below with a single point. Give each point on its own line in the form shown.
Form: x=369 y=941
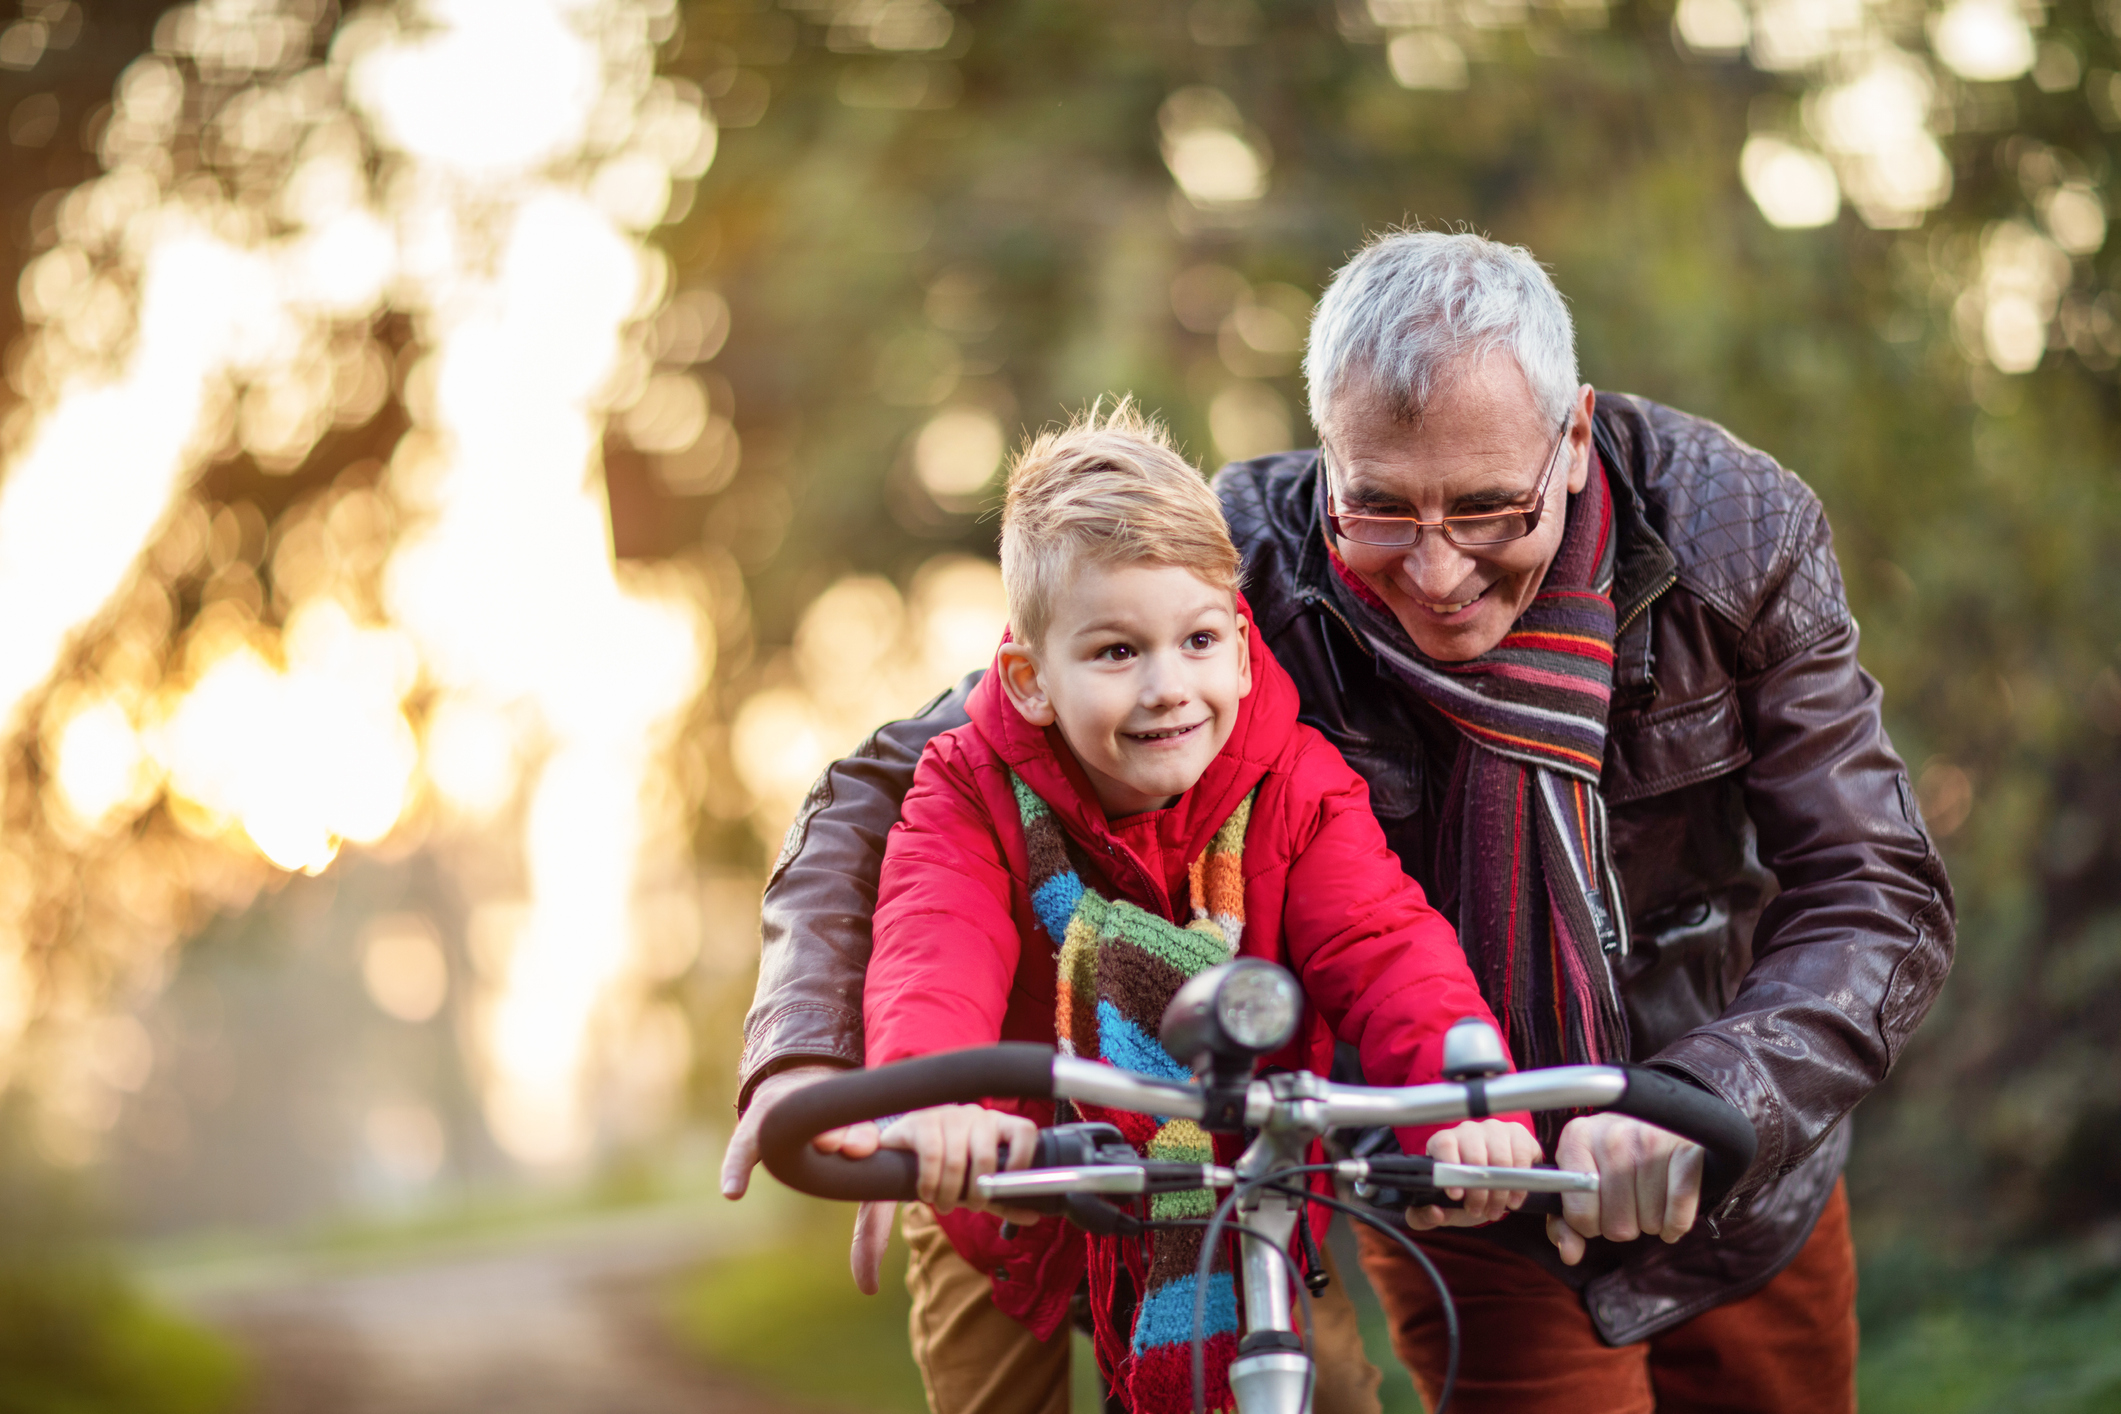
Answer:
x=975 y=1360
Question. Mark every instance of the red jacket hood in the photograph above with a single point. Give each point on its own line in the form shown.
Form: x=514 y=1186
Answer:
x=1265 y=730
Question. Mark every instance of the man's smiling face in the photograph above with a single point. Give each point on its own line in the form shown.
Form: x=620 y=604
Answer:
x=1480 y=446
x=1143 y=667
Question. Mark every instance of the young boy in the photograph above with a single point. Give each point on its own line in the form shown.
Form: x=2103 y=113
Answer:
x=1133 y=801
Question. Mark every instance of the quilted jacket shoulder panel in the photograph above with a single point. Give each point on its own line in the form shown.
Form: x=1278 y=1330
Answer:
x=1735 y=519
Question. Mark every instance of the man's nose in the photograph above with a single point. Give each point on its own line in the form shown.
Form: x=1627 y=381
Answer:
x=1435 y=567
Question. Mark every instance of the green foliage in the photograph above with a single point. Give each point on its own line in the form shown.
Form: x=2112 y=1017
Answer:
x=788 y=1317
x=2033 y=1335
x=75 y=1337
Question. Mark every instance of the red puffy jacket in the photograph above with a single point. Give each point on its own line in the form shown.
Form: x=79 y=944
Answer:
x=960 y=960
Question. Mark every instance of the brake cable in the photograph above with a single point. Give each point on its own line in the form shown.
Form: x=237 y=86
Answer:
x=1443 y=1292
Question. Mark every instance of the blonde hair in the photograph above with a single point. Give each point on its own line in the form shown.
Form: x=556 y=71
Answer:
x=1109 y=488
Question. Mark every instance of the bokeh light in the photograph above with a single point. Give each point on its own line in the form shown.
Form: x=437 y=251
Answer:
x=447 y=641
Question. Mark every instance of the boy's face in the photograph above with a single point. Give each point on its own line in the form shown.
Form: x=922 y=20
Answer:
x=1142 y=668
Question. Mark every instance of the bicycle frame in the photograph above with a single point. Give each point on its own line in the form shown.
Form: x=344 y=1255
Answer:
x=1284 y=1112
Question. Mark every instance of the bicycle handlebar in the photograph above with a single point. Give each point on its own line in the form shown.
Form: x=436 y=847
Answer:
x=1020 y=1070
x=1014 y=1069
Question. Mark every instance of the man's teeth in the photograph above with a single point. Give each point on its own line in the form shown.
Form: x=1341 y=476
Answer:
x=1451 y=608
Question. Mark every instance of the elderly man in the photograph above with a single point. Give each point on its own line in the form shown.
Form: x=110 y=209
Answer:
x=1594 y=658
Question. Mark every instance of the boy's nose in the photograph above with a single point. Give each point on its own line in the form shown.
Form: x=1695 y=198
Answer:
x=1163 y=685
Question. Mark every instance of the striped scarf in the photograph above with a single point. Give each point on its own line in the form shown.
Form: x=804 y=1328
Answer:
x=1528 y=870
x=1119 y=966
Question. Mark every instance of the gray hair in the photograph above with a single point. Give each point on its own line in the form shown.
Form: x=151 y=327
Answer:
x=1415 y=309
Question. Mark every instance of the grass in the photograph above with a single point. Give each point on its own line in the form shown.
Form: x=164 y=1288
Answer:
x=2036 y=1334
x=84 y=1343
x=787 y=1318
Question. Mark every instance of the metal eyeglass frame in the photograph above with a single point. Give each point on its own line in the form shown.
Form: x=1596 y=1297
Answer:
x=1531 y=517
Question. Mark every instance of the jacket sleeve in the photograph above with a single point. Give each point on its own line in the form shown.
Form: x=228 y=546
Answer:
x=814 y=920
x=946 y=937
x=1849 y=955
x=1383 y=967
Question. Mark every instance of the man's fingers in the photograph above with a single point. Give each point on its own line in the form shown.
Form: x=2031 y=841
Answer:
x=1683 y=1191
x=1568 y=1242
x=1580 y=1212
x=1617 y=1188
x=741 y=1157
x=872 y=1234
x=1426 y=1219
x=743 y=1153
x=1652 y=1167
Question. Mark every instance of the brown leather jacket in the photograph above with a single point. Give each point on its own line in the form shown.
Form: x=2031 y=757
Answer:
x=1791 y=921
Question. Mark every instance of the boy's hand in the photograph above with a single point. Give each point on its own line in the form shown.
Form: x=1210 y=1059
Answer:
x=937 y=1133
x=1477 y=1141
x=956 y=1144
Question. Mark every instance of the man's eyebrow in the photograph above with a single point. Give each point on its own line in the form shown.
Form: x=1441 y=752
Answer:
x=1370 y=499
x=1364 y=498
x=1493 y=496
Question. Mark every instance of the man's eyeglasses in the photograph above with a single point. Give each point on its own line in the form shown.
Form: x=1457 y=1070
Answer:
x=1466 y=532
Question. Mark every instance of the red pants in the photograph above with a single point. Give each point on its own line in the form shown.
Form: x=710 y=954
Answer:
x=1528 y=1346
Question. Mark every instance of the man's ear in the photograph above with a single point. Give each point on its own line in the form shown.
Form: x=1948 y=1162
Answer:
x=1579 y=439
x=1018 y=666
x=1244 y=656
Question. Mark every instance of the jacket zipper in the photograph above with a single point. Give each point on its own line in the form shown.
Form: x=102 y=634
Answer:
x=1320 y=601
x=1671 y=578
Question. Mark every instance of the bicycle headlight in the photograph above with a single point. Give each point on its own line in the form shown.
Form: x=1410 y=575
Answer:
x=1258 y=1007
x=1229 y=1015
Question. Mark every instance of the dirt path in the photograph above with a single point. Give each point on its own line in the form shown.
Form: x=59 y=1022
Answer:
x=562 y=1323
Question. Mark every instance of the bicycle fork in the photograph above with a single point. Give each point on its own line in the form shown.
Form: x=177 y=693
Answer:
x=1272 y=1374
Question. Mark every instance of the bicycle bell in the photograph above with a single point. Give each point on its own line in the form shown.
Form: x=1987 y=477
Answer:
x=1472 y=1051
x=1230 y=1015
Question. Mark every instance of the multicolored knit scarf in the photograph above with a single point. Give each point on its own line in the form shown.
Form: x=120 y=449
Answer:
x=1528 y=871
x=1119 y=967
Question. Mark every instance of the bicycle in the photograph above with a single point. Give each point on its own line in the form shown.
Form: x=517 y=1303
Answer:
x=1220 y=1023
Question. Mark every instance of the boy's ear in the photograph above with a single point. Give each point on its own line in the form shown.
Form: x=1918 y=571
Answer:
x=1021 y=685
x=1244 y=656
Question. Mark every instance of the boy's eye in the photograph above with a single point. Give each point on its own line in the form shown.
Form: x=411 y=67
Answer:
x=1201 y=642
x=1115 y=652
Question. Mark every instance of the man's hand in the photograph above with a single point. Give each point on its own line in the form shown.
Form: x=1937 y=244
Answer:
x=1649 y=1182
x=1481 y=1141
x=856 y=1141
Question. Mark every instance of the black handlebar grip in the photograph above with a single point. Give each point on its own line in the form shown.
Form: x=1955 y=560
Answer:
x=1014 y=1069
x=1693 y=1113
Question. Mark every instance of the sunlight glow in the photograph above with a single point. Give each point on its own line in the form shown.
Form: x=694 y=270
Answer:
x=1983 y=39
x=482 y=169
x=1793 y=188
x=1212 y=158
x=862 y=655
